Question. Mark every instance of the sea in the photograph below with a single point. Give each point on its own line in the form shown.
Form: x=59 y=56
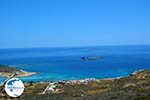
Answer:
x=66 y=63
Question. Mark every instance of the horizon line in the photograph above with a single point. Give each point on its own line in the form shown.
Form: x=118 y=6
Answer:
x=76 y=46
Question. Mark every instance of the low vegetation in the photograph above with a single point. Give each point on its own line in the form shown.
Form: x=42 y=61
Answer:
x=134 y=87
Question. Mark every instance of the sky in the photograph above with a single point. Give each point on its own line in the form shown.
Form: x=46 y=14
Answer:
x=64 y=23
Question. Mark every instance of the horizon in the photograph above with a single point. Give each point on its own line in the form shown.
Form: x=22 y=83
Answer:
x=123 y=45
x=46 y=24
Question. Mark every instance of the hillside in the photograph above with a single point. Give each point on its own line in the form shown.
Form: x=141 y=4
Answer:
x=134 y=87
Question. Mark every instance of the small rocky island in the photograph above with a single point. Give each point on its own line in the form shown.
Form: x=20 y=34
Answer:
x=91 y=58
x=6 y=71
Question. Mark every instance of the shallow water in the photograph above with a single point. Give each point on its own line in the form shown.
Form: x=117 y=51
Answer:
x=66 y=63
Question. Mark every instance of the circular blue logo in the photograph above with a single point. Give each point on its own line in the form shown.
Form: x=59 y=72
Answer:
x=14 y=87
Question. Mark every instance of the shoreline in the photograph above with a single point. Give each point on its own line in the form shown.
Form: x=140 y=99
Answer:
x=134 y=73
x=6 y=71
x=23 y=73
x=119 y=88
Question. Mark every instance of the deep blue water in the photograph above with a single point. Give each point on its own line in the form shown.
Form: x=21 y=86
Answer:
x=66 y=63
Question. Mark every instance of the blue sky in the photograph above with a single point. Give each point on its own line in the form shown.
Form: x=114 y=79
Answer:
x=54 y=23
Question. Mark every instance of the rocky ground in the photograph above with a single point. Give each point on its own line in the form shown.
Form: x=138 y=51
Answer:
x=134 y=87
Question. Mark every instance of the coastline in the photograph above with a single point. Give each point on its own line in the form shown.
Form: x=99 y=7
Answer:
x=6 y=71
x=74 y=81
x=90 y=88
x=25 y=73
x=136 y=86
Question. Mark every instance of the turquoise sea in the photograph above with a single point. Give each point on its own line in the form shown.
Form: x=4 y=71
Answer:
x=65 y=63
